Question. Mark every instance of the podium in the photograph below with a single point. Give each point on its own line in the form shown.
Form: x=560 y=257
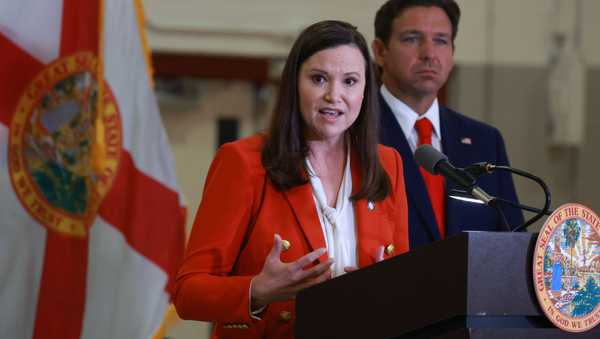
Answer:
x=473 y=285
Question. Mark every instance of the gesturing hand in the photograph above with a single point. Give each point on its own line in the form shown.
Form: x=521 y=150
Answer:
x=378 y=258
x=281 y=281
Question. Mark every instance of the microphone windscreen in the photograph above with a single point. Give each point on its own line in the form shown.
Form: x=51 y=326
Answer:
x=428 y=157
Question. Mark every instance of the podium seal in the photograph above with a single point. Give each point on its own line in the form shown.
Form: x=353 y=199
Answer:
x=566 y=268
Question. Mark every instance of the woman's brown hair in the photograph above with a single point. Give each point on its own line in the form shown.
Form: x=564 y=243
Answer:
x=285 y=148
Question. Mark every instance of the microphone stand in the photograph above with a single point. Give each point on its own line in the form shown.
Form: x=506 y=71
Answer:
x=488 y=168
x=547 y=195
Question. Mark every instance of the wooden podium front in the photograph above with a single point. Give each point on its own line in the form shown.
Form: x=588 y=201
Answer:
x=474 y=285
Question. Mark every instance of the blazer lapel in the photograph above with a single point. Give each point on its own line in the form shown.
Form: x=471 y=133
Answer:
x=301 y=201
x=416 y=191
x=456 y=151
x=361 y=214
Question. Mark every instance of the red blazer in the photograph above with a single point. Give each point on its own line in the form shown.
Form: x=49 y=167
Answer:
x=224 y=251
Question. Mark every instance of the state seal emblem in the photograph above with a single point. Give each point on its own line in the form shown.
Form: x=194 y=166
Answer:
x=65 y=144
x=566 y=268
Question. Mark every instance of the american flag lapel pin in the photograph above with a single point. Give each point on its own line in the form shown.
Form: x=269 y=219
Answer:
x=466 y=141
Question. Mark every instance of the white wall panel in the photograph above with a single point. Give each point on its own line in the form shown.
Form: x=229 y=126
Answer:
x=591 y=32
x=504 y=32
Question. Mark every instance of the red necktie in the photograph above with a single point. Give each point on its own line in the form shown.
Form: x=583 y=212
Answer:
x=434 y=183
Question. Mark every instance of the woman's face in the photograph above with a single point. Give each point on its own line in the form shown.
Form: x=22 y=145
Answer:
x=331 y=84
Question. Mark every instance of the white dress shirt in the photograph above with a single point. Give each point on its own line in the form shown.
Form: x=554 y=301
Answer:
x=407 y=117
x=338 y=224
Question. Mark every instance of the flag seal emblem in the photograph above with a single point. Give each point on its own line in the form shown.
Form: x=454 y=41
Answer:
x=65 y=144
x=566 y=268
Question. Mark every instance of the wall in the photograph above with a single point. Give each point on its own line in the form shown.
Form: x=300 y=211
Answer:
x=517 y=31
x=266 y=28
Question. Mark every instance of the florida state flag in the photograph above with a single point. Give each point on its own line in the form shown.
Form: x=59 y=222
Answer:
x=91 y=219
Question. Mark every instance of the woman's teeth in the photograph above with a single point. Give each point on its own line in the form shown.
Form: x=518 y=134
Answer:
x=330 y=112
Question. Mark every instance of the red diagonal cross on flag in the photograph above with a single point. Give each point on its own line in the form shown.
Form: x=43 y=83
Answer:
x=91 y=225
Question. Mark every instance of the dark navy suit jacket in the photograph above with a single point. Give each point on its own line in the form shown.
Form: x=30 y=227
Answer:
x=465 y=141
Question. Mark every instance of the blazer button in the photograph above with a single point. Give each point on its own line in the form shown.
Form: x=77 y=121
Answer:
x=285 y=315
x=286 y=245
x=389 y=249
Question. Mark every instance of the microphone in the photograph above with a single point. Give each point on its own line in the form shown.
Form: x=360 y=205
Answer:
x=479 y=168
x=436 y=162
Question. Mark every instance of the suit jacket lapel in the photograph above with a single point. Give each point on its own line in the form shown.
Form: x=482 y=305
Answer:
x=415 y=186
x=361 y=213
x=302 y=203
x=450 y=141
x=455 y=151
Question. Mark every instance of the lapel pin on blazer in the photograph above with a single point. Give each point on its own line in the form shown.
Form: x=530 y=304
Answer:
x=466 y=141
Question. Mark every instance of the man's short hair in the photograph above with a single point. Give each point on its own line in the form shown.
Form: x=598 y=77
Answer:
x=394 y=8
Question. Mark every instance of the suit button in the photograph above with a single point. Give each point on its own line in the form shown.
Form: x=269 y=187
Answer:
x=286 y=245
x=389 y=250
x=285 y=315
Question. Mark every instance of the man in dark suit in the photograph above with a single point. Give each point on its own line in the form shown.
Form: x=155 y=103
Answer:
x=414 y=48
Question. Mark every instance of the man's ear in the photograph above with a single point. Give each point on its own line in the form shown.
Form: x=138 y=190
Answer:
x=379 y=50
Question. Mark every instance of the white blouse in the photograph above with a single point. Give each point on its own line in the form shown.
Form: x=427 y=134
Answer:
x=338 y=224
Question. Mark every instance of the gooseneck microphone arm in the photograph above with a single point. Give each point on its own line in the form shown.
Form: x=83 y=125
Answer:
x=523 y=207
x=487 y=168
x=436 y=162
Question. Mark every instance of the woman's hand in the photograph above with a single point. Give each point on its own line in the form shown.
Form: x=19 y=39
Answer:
x=378 y=258
x=282 y=281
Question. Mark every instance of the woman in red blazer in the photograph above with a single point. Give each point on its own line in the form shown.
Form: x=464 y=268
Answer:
x=313 y=198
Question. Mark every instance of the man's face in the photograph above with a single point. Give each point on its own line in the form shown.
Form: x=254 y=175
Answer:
x=418 y=57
